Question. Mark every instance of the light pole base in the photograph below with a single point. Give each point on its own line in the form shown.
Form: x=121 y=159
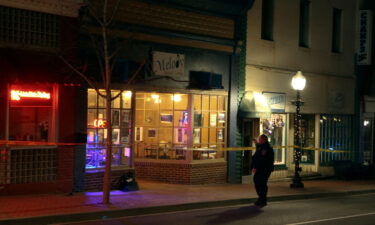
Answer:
x=297 y=183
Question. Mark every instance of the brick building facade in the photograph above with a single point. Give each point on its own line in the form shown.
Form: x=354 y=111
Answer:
x=36 y=107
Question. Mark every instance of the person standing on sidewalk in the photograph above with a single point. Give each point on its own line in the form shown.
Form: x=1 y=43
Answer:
x=262 y=165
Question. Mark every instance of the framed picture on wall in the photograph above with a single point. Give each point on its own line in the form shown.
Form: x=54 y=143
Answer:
x=151 y=133
x=166 y=118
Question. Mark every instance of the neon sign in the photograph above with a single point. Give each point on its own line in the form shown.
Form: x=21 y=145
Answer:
x=17 y=95
x=99 y=123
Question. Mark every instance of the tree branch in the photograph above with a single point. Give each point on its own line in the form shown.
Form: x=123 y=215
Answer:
x=83 y=76
x=130 y=80
x=98 y=55
x=93 y=14
x=114 y=12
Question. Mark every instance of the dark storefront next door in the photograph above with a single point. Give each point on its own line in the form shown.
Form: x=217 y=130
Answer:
x=250 y=130
x=368 y=141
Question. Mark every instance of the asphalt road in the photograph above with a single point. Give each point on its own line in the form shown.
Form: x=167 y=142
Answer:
x=349 y=210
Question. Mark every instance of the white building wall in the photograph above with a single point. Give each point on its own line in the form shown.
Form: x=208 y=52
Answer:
x=270 y=65
x=284 y=52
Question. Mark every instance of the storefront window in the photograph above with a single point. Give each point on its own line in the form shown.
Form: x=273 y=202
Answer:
x=368 y=134
x=274 y=126
x=30 y=113
x=97 y=132
x=161 y=125
x=336 y=133
x=209 y=125
x=31 y=118
x=308 y=137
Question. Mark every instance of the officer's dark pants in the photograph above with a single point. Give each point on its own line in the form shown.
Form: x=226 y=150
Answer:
x=260 y=182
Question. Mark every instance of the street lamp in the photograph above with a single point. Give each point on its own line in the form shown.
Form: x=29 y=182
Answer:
x=298 y=84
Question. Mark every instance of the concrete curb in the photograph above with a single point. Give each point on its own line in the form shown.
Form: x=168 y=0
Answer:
x=111 y=214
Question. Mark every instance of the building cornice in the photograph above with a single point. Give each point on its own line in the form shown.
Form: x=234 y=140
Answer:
x=67 y=8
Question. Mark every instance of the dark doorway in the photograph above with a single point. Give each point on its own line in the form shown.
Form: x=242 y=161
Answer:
x=250 y=130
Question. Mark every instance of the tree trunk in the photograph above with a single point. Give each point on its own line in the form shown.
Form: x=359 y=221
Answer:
x=108 y=155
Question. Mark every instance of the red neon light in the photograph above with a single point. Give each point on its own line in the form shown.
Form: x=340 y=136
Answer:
x=100 y=123
x=17 y=95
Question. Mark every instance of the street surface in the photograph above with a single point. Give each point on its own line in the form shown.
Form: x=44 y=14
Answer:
x=349 y=210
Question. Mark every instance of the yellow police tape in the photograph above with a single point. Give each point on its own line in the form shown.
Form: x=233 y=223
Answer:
x=274 y=147
x=290 y=147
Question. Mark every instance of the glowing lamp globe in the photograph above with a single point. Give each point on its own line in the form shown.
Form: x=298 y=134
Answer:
x=298 y=81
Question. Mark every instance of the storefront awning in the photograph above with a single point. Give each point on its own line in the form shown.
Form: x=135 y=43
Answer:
x=255 y=103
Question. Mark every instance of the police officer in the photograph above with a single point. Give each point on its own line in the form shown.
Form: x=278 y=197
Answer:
x=262 y=167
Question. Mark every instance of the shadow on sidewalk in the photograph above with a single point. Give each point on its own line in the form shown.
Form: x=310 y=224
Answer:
x=232 y=215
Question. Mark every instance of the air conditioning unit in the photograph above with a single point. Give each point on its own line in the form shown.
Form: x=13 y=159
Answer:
x=205 y=80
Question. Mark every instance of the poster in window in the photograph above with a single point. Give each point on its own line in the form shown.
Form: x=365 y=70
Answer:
x=221 y=117
x=116 y=118
x=91 y=136
x=102 y=135
x=213 y=119
x=220 y=135
x=116 y=136
x=197 y=119
x=125 y=118
x=166 y=118
x=197 y=136
x=125 y=135
x=138 y=133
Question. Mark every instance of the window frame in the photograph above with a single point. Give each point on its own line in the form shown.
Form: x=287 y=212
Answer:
x=337 y=30
x=124 y=148
x=304 y=24
x=267 y=20
x=189 y=154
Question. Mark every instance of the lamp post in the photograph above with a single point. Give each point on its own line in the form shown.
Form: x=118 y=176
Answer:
x=298 y=84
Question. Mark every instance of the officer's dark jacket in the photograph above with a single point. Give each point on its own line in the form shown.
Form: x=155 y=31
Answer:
x=263 y=158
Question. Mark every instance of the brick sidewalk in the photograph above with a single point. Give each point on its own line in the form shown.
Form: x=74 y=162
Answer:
x=160 y=194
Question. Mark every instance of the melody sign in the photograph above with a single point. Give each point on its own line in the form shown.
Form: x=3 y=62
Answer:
x=365 y=30
x=168 y=64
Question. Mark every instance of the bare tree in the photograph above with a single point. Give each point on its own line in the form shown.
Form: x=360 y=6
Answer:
x=102 y=13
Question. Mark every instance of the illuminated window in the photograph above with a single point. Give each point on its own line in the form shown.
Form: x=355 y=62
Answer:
x=31 y=118
x=30 y=113
x=97 y=132
x=336 y=133
x=274 y=127
x=161 y=125
x=209 y=125
x=308 y=137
